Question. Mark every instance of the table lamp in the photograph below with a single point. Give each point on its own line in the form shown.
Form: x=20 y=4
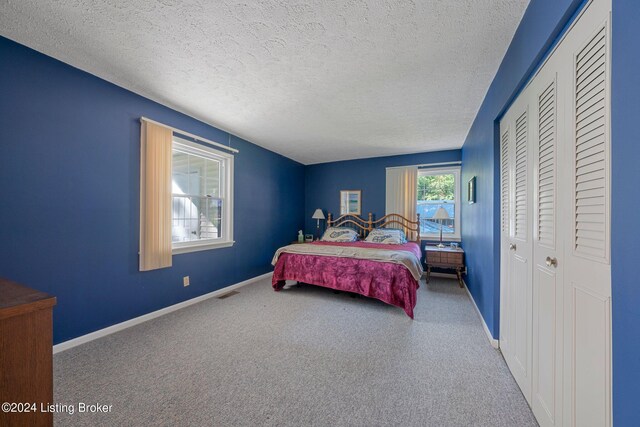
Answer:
x=441 y=214
x=318 y=215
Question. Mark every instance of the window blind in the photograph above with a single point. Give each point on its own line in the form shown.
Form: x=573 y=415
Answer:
x=155 y=196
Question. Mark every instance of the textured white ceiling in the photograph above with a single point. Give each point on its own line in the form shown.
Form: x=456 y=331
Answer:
x=316 y=81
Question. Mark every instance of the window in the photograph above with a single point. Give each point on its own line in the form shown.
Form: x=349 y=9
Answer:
x=436 y=188
x=202 y=197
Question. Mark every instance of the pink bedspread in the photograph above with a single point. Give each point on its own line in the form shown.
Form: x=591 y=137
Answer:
x=388 y=282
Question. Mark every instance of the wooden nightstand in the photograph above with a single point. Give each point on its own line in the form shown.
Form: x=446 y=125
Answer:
x=447 y=257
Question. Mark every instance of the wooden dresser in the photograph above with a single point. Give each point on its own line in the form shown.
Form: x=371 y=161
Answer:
x=447 y=257
x=26 y=353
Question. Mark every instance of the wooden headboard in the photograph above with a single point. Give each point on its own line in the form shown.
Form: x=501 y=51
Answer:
x=363 y=227
x=398 y=221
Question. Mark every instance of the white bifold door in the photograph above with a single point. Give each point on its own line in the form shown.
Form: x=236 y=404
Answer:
x=555 y=319
x=516 y=160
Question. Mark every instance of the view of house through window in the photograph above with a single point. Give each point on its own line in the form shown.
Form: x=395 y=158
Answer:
x=198 y=209
x=439 y=188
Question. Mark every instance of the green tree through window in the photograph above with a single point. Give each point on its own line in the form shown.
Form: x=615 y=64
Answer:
x=436 y=187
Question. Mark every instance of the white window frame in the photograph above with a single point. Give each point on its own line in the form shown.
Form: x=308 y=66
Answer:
x=226 y=163
x=456 y=171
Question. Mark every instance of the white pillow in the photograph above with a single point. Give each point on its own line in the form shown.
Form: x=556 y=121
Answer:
x=339 y=234
x=390 y=236
x=400 y=231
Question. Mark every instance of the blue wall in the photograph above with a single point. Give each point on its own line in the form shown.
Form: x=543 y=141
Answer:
x=540 y=25
x=324 y=181
x=625 y=227
x=69 y=170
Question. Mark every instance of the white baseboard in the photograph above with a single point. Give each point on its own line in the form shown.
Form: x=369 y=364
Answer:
x=494 y=342
x=137 y=320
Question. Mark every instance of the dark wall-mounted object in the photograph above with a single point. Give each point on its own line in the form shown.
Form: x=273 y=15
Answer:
x=471 y=190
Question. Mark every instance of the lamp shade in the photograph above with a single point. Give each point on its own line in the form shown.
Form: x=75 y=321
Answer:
x=441 y=213
x=318 y=214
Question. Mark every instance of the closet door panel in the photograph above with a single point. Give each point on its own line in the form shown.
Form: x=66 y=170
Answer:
x=517 y=294
x=546 y=355
x=591 y=150
x=591 y=358
x=520 y=321
x=547 y=274
x=505 y=218
x=587 y=306
x=521 y=179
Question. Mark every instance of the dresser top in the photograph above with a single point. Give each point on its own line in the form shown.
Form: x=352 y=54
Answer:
x=16 y=299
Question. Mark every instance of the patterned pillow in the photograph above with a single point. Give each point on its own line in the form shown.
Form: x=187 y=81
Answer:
x=400 y=231
x=339 y=234
x=389 y=236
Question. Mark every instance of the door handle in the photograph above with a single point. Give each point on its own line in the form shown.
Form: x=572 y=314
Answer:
x=551 y=262
x=512 y=246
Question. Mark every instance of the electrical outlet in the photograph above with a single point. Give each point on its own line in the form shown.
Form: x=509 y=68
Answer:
x=185 y=281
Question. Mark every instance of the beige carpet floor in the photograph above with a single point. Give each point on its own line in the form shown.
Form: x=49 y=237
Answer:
x=305 y=356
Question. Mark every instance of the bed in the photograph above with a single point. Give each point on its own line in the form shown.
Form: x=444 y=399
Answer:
x=388 y=272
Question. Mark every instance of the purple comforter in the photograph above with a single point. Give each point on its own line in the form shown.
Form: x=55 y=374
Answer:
x=388 y=282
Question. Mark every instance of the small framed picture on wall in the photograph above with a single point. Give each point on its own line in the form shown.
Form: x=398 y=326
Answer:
x=471 y=191
x=350 y=202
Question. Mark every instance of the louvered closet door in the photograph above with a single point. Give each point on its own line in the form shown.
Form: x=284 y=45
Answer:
x=546 y=400
x=517 y=288
x=555 y=225
x=506 y=147
x=587 y=296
